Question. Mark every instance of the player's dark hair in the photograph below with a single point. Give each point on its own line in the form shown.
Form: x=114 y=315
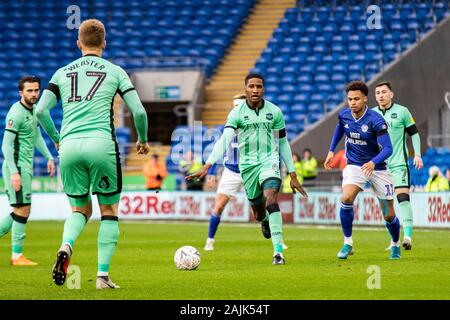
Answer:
x=29 y=79
x=384 y=83
x=155 y=156
x=307 y=150
x=358 y=85
x=253 y=75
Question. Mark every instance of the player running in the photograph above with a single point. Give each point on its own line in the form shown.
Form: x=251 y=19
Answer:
x=230 y=184
x=22 y=135
x=368 y=146
x=88 y=150
x=260 y=129
x=400 y=121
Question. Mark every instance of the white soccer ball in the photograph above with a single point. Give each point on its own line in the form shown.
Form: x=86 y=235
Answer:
x=187 y=258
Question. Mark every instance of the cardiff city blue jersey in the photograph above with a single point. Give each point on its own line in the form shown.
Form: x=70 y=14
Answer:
x=361 y=143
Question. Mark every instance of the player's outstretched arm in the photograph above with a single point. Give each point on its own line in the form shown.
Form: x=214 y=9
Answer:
x=337 y=136
x=47 y=102
x=218 y=151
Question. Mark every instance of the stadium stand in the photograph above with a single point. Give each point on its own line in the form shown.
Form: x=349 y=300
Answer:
x=141 y=34
x=433 y=157
x=319 y=46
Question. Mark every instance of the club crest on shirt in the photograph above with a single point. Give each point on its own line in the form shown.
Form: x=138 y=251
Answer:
x=394 y=116
x=269 y=116
x=346 y=126
x=275 y=168
x=104 y=183
x=10 y=124
x=364 y=128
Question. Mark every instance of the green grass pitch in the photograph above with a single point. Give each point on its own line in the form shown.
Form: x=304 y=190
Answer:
x=239 y=268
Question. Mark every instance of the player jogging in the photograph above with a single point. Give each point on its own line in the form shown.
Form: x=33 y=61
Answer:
x=22 y=135
x=89 y=153
x=368 y=146
x=260 y=129
x=230 y=184
x=400 y=122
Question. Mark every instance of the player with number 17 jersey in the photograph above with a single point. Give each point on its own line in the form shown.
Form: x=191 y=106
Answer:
x=87 y=87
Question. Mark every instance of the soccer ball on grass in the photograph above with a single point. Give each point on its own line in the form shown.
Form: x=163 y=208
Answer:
x=187 y=258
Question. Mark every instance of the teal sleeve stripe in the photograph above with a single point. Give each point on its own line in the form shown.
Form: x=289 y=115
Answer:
x=42 y=146
x=286 y=154
x=415 y=138
x=221 y=146
x=8 y=151
x=47 y=102
x=135 y=106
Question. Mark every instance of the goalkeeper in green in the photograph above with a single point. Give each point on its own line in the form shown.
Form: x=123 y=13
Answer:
x=261 y=134
x=400 y=122
x=88 y=150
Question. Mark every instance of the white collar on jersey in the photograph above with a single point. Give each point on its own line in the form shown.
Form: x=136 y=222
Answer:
x=365 y=111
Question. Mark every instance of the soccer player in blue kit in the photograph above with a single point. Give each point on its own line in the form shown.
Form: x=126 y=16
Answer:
x=367 y=148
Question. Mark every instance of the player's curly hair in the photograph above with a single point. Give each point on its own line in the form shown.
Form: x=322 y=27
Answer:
x=92 y=33
x=358 y=85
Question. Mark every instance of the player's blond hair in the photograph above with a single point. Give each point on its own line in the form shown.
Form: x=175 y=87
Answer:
x=92 y=33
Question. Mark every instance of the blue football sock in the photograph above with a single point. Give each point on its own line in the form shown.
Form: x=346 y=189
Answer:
x=347 y=215
x=214 y=221
x=393 y=227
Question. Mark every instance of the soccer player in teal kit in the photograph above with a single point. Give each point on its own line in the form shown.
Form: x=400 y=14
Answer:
x=87 y=145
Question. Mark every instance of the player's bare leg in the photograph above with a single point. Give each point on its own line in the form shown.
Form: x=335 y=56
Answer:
x=108 y=236
x=73 y=227
x=349 y=193
x=214 y=221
